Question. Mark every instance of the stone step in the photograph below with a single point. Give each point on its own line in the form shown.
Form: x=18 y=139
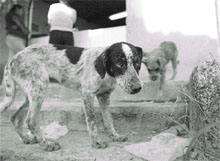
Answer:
x=62 y=99
x=65 y=106
x=148 y=92
x=70 y=113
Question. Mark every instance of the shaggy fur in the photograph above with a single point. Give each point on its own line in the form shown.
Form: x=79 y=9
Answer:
x=94 y=74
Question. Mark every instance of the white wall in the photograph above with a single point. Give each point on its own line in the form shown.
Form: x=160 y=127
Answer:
x=100 y=37
x=92 y=38
x=191 y=24
x=190 y=17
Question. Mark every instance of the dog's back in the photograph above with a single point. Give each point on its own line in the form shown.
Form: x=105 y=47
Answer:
x=169 y=49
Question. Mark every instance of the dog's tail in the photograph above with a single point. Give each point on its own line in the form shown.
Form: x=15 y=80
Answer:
x=9 y=89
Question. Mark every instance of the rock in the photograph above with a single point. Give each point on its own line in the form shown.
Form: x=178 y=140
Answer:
x=162 y=147
x=54 y=130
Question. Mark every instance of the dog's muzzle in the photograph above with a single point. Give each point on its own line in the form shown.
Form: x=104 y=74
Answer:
x=129 y=82
x=154 y=78
x=136 y=90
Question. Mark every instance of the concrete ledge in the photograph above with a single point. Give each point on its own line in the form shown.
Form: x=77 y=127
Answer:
x=148 y=92
x=70 y=113
x=65 y=105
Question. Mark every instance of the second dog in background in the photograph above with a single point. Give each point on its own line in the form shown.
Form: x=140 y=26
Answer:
x=156 y=62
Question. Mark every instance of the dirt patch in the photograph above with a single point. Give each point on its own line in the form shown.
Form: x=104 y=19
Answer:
x=9 y=155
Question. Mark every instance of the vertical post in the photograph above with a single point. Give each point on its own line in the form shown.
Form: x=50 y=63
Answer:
x=30 y=19
x=217 y=5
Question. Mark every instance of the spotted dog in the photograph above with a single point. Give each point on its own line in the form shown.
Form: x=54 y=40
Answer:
x=93 y=71
x=157 y=60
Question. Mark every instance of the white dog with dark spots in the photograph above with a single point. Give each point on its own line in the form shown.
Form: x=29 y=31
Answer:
x=93 y=72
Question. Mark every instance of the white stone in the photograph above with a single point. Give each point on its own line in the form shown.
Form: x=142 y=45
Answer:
x=54 y=130
x=162 y=147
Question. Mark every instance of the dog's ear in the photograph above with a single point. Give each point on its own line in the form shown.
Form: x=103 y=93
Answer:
x=100 y=64
x=161 y=63
x=140 y=52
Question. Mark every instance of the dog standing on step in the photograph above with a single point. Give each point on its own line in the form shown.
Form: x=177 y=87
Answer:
x=157 y=60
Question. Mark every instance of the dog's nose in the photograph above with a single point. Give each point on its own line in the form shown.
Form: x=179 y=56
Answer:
x=136 y=90
x=154 y=78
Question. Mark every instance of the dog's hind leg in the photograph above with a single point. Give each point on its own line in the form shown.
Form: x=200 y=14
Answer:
x=103 y=100
x=20 y=126
x=174 y=62
x=34 y=83
x=32 y=120
x=88 y=99
x=36 y=96
x=10 y=90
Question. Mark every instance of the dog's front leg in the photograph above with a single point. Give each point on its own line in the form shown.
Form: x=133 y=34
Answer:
x=161 y=85
x=89 y=112
x=104 y=101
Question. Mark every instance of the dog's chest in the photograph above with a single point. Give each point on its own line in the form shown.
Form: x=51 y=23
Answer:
x=106 y=85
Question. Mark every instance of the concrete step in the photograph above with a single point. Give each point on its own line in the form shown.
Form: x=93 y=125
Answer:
x=144 y=115
x=66 y=105
x=148 y=93
x=59 y=96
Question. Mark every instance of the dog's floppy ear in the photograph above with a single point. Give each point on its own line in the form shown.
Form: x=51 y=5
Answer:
x=100 y=64
x=140 y=52
x=161 y=63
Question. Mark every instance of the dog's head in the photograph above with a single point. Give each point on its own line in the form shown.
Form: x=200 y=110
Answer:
x=123 y=62
x=154 y=64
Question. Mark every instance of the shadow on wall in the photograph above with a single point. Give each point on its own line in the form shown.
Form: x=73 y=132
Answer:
x=192 y=49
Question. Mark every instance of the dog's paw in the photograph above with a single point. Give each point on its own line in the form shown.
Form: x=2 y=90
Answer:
x=30 y=140
x=120 y=138
x=99 y=144
x=50 y=146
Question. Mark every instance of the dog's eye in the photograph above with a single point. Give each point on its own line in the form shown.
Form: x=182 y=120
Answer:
x=137 y=65
x=120 y=64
